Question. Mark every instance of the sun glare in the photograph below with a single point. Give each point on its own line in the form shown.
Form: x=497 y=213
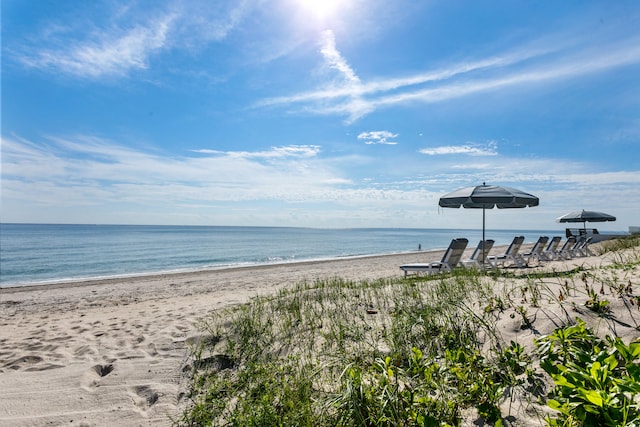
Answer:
x=321 y=9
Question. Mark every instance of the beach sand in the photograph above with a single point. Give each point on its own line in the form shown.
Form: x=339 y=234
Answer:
x=111 y=352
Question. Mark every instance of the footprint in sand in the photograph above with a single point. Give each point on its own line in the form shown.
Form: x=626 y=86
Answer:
x=44 y=367
x=23 y=361
x=103 y=370
x=79 y=329
x=84 y=350
x=151 y=350
x=144 y=396
x=93 y=376
x=39 y=332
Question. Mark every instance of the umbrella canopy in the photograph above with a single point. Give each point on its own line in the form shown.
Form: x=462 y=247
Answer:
x=488 y=197
x=586 y=216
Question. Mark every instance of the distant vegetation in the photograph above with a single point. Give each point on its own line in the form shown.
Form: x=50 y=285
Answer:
x=422 y=351
x=619 y=244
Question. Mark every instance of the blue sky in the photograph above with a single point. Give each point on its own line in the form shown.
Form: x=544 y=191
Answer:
x=339 y=113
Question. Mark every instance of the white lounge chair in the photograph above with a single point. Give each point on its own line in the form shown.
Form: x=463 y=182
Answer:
x=581 y=248
x=510 y=255
x=549 y=253
x=449 y=260
x=565 y=251
x=585 y=248
x=536 y=250
x=479 y=255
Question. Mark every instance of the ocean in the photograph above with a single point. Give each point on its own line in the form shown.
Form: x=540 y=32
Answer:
x=38 y=254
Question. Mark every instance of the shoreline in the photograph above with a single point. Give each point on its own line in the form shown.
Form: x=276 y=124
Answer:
x=19 y=271
x=80 y=281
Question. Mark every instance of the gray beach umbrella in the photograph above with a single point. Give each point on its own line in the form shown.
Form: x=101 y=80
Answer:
x=488 y=197
x=586 y=216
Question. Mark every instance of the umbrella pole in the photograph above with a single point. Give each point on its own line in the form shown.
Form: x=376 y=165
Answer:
x=483 y=253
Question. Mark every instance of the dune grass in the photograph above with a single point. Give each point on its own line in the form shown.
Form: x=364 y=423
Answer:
x=619 y=244
x=423 y=351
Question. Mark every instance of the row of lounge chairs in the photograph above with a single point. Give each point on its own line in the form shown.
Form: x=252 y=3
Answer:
x=543 y=250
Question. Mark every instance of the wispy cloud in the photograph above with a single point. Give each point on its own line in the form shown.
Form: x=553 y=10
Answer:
x=299 y=151
x=104 y=54
x=285 y=172
x=489 y=149
x=201 y=22
x=127 y=40
x=391 y=84
x=378 y=137
x=528 y=66
x=335 y=60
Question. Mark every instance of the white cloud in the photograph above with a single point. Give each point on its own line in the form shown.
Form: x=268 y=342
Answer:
x=290 y=173
x=490 y=149
x=203 y=21
x=273 y=153
x=88 y=179
x=128 y=39
x=530 y=66
x=378 y=137
x=106 y=54
x=587 y=180
x=335 y=60
x=393 y=83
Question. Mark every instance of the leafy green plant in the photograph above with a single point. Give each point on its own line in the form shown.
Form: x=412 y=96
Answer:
x=495 y=303
x=525 y=321
x=423 y=393
x=388 y=395
x=597 y=382
x=597 y=305
x=514 y=358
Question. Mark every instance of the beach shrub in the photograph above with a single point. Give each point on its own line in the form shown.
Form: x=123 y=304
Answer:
x=425 y=391
x=597 y=382
x=385 y=394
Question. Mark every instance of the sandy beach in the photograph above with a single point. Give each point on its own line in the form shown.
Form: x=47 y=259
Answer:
x=110 y=352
